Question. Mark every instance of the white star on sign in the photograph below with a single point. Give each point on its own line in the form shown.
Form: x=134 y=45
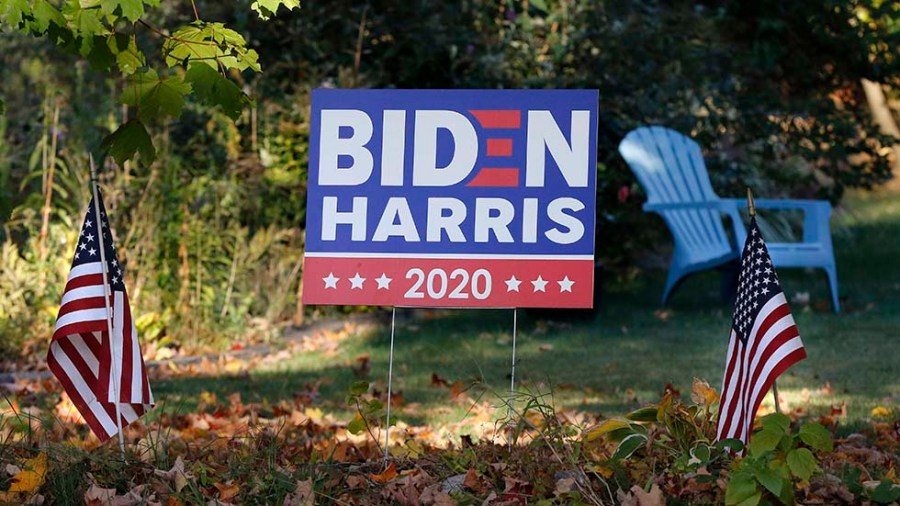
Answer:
x=87 y=223
x=384 y=282
x=92 y=251
x=512 y=284
x=565 y=285
x=356 y=282
x=330 y=281
x=90 y=237
x=82 y=246
x=539 y=284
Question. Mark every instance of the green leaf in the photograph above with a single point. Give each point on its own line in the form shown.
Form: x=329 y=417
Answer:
x=44 y=15
x=129 y=139
x=128 y=57
x=776 y=421
x=816 y=436
x=645 y=414
x=764 y=441
x=733 y=444
x=129 y=9
x=359 y=387
x=268 y=8
x=2 y=106
x=100 y=56
x=540 y=5
x=13 y=12
x=210 y=44
x=769 y=479
x=742 y=490
x=213 y=89
x=356 y=426
x=629 y=445
x=84 y=23
x=802 y=463
x=885 y=493
x=154 y=97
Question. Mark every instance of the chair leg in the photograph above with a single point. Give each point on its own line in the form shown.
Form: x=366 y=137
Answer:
x=831 y=272
x=730 y=273
x=672 y=281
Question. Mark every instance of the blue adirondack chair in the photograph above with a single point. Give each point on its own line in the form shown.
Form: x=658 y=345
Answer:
x=671 y=170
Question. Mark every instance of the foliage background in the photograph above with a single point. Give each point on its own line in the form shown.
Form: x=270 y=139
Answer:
x=212 y=230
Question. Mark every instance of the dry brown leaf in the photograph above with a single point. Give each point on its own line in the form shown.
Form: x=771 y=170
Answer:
x=385 y=476
x=471 y=481
x=177 y=474
x=565 y=486
x=303 y=495
x=702 y=393
x=227 y=491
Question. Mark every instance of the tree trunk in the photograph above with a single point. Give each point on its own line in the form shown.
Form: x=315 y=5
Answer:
x=884 y=118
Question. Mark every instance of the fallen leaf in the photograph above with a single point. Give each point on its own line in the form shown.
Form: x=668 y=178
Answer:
x=387 y=475
x=702 y=393
x=303 y=495
x=177 y=474
x=881 y=412
x=227 y=490
x=98 y=496
x=564 y=486
x=32 y=477
x=471 y=481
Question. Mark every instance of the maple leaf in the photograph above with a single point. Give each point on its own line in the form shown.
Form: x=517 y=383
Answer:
x=156 y=97
x=302 y=495
x=128 y=139
x=268 y=8
x=215 y=90
x=32 y=477
x=129 y=9
x=385 y=476
x=14 y=11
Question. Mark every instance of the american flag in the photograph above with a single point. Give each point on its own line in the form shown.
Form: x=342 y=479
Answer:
x=764 y=340
x=81 y=352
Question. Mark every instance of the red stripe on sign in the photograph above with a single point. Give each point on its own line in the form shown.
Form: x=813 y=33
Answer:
x=498 y=118
x=499 y=147
x=506 y=177
x=449 y=282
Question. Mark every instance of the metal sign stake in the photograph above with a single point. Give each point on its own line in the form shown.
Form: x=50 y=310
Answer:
x=387 y=417
x=512 y=373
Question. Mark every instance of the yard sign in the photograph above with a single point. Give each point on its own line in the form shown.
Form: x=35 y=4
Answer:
x=451 y=198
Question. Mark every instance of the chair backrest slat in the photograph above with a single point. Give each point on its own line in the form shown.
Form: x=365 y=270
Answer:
x=671 y=169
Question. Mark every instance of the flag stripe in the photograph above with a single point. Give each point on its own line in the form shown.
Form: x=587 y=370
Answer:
x=81 y=395
x=90 y=291
x=81 y=315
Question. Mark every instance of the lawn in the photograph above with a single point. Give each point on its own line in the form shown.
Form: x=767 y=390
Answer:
x=625 y=355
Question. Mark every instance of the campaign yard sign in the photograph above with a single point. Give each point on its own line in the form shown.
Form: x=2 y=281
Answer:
x=451 y=198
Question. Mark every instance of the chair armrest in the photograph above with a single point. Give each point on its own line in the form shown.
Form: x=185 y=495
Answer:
x=718 y=205
x=816 y=214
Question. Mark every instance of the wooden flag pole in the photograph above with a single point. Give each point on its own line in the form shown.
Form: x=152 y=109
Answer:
x=751 y=208
x=117 y=374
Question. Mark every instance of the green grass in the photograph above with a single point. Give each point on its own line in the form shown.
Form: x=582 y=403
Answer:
x=624 y=356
